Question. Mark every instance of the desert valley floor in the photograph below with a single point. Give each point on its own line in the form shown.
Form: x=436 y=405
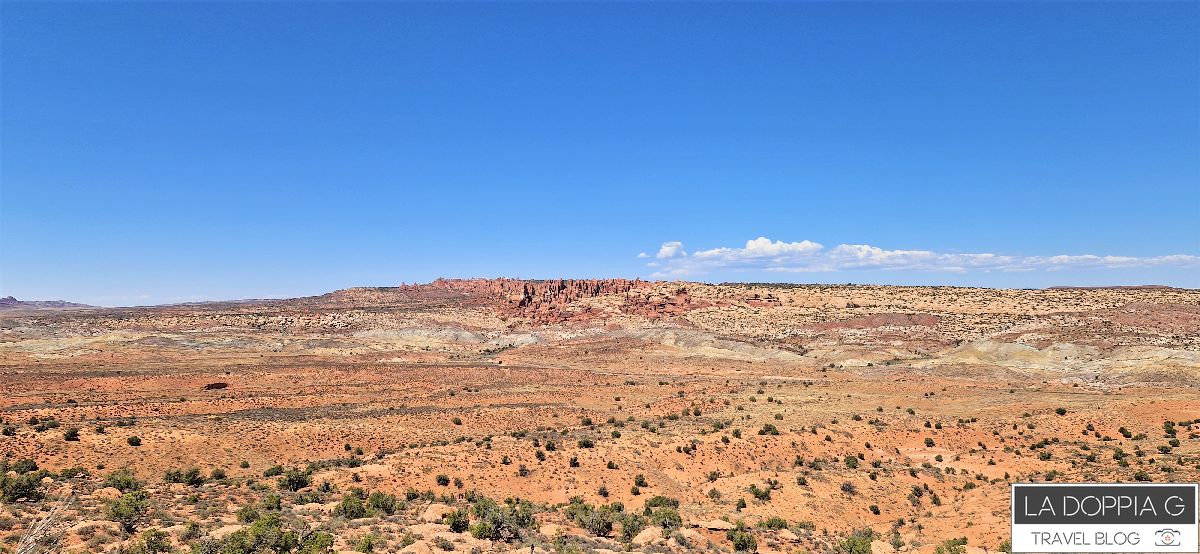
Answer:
x=590 y=415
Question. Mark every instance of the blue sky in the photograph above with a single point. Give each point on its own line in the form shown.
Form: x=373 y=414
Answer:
x=160 y=152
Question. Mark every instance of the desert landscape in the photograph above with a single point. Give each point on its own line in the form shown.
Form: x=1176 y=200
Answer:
x=501 y=415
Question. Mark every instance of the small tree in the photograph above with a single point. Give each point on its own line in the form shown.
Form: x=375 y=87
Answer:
x=129 y=509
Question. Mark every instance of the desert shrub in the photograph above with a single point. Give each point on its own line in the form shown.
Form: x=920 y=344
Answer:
x=928 y=442
x=586 y=443
x=741 y=504
x=247 y=513
x=640 y=480
x=152 y=541
x=597 y=522
x=773 y=522
x=662 y=502
x=351 y=507
x=273 y=471
x=272 y=501
x=217 y=474
x=129 y=509
x=953 y=546
x=459 y=520
x=762 y=494
x=667 y=518
x=381 y=502
x=858 y=542
x=267 y=534
x=191 y=532
x=768 y=429
x=742 y=540
x=26 y=486
x=134 y=441
x=367 y=543
x=631 y=525
x=76 y=471
x=502 y=523
x=193 y=477
x=294 y=480
x=122 y=480
x=443 y=480
x=71 y=434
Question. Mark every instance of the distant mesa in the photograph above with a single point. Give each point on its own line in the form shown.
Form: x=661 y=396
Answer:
x=1103 y=287
x=10 y=303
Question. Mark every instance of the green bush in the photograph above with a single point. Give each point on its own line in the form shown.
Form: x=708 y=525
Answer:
x=122 y=480
x=129 y=509
x=272 y=501
x=247 y=513
x=662 y=502
x=954 y=546
x=859 y=542
x=381 y=502
x=742 y=540
x=267 y=534
x=26 y=486
x=667 y=518
x=773 y=522
x=501 y=523
x=294 y=480
x=459 y=520
x=351 y=507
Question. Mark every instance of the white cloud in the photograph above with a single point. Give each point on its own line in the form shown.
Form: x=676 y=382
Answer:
x=670 y=250
x=643 y=255
x=763 y=254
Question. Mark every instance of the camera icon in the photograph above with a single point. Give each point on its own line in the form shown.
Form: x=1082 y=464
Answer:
x=1166 y=537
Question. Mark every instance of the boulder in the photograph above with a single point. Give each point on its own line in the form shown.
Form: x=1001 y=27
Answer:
x=694 y=539
x=107 y=493
x=428 y=530
x=225 y=531
x=648 y=535
x=435 y=513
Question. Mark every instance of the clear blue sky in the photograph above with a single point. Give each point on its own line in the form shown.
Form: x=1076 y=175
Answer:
x=160 y=151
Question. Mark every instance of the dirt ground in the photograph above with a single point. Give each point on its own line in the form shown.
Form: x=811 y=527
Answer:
x=801 y=417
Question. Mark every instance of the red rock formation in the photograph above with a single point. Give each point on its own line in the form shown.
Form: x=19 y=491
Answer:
x=557 y=300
